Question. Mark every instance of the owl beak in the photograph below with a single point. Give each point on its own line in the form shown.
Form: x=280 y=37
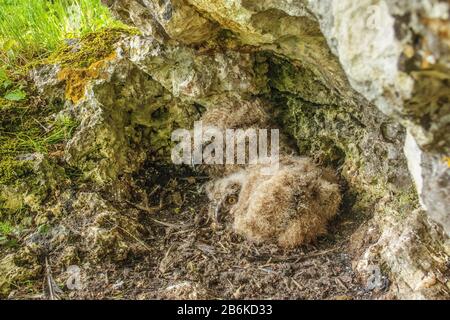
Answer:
x=215 y=211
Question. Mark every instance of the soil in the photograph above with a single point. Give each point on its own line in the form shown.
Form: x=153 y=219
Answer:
x=186 y=258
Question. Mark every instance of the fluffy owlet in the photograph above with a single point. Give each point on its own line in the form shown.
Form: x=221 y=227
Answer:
x=289 y=207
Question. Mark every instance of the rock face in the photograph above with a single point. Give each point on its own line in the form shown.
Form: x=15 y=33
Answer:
x=396 y=54
x=362 y=87
x=329 y=65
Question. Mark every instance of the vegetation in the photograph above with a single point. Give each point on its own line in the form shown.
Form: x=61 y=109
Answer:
x=32 y=32
x=32 y=28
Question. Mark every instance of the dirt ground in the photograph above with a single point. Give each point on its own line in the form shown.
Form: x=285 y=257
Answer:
x=186 y=258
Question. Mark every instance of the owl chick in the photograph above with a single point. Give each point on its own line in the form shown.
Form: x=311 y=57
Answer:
x=290 y=207
x=240 y=114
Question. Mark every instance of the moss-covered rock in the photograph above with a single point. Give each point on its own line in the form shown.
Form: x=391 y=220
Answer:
x=16 y=269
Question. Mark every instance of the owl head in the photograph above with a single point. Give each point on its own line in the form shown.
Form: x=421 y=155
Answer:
x=223 y=195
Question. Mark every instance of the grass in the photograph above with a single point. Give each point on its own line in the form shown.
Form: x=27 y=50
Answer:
x=32 y=28
x=27 y=126
x=37 y=140
x=6 y=231
x=26 y=129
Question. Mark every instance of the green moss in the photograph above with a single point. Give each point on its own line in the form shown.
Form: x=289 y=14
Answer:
x=342 y=135
x=312 y=128
x=164 y=121
x=11 y=170
x=7 y=229
x=28 y=127
x=300 y=81
x=18 y=269
x=89 y=49
x=311 y=112
x=85 y=59
x=26 y=131
x=407 y=201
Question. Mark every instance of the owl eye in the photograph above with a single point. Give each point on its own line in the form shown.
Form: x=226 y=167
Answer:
x=232 y=200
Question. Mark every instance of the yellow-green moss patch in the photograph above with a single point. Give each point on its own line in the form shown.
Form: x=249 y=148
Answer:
x=89 y=49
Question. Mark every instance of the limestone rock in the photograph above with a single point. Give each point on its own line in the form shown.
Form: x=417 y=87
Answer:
x=331 y=66
x=397 y=55
x=403 y=245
